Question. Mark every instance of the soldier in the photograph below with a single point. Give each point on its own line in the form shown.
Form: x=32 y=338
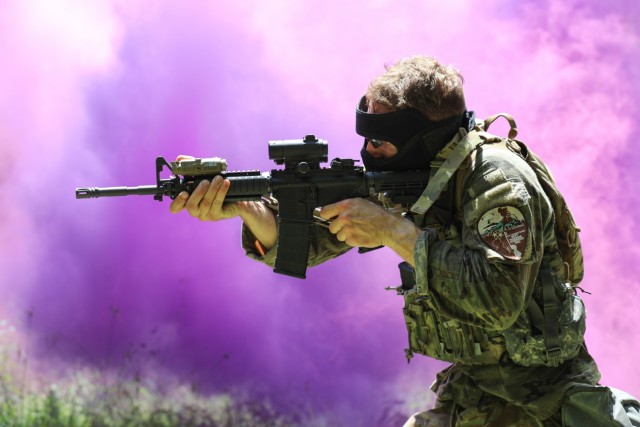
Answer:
x=494 y=257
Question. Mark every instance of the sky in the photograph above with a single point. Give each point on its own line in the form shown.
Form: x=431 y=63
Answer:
x=92 y=92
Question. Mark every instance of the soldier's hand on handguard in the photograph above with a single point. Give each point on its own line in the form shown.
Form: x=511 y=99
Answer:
x=206 y=201
x=207 y=204
x=359 y=222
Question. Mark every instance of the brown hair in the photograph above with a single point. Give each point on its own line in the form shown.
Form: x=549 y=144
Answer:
x=422 y=83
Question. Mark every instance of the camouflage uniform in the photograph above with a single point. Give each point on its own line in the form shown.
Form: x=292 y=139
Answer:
x=478 y=278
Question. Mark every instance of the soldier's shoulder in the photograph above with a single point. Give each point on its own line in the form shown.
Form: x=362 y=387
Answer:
x=489 y=158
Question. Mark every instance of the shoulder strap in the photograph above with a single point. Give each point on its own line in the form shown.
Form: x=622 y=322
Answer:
x=462 y=150
x=445 y=172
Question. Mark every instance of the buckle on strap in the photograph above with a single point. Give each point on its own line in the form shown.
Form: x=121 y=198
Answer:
x=553 y=356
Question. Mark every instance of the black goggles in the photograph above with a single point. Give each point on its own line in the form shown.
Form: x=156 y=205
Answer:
x=396 y=127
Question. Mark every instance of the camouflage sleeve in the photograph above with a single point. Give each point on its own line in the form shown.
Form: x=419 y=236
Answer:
x=323 y=247
x=484 y=277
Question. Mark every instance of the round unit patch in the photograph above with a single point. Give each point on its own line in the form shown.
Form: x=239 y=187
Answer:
x=505 y=231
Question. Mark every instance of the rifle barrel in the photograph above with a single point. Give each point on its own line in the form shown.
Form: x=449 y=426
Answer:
x=95 y=192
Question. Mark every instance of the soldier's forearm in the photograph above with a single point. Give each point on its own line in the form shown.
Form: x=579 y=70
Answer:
x=401 y=236
x=261 y=221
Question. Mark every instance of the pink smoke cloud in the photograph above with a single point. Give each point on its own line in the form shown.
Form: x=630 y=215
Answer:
x=93 y=93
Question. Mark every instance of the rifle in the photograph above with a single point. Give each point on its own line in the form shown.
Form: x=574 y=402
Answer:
x=300 y=188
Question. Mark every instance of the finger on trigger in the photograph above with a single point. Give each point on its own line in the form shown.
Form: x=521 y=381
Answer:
x=329 y=212
x=317 y=219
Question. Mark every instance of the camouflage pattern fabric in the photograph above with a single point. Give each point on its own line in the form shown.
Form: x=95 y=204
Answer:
x=473 y=283
x=583 y=406
x=600 y=406
x=474 y=280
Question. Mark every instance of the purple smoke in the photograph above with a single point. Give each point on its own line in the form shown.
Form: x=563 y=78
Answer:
x=93 y=93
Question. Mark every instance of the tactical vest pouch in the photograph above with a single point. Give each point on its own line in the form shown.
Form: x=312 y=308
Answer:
x=448 y=340
x=530 y=344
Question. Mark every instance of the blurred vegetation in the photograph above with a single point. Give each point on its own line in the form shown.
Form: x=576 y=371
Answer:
x=86 y=399
x=91 y=397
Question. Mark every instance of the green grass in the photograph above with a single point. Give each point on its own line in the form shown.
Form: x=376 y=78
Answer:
x=86 y=398
x=101 y=398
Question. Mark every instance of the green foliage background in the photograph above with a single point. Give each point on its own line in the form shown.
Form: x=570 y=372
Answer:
x=102 y=398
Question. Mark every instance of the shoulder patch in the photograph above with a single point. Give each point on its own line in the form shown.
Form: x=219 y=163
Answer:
x=504 y=230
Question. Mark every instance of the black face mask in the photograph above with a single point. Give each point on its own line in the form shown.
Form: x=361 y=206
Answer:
x=417 y=138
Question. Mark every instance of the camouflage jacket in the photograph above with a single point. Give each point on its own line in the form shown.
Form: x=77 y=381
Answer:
x=480 y=288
